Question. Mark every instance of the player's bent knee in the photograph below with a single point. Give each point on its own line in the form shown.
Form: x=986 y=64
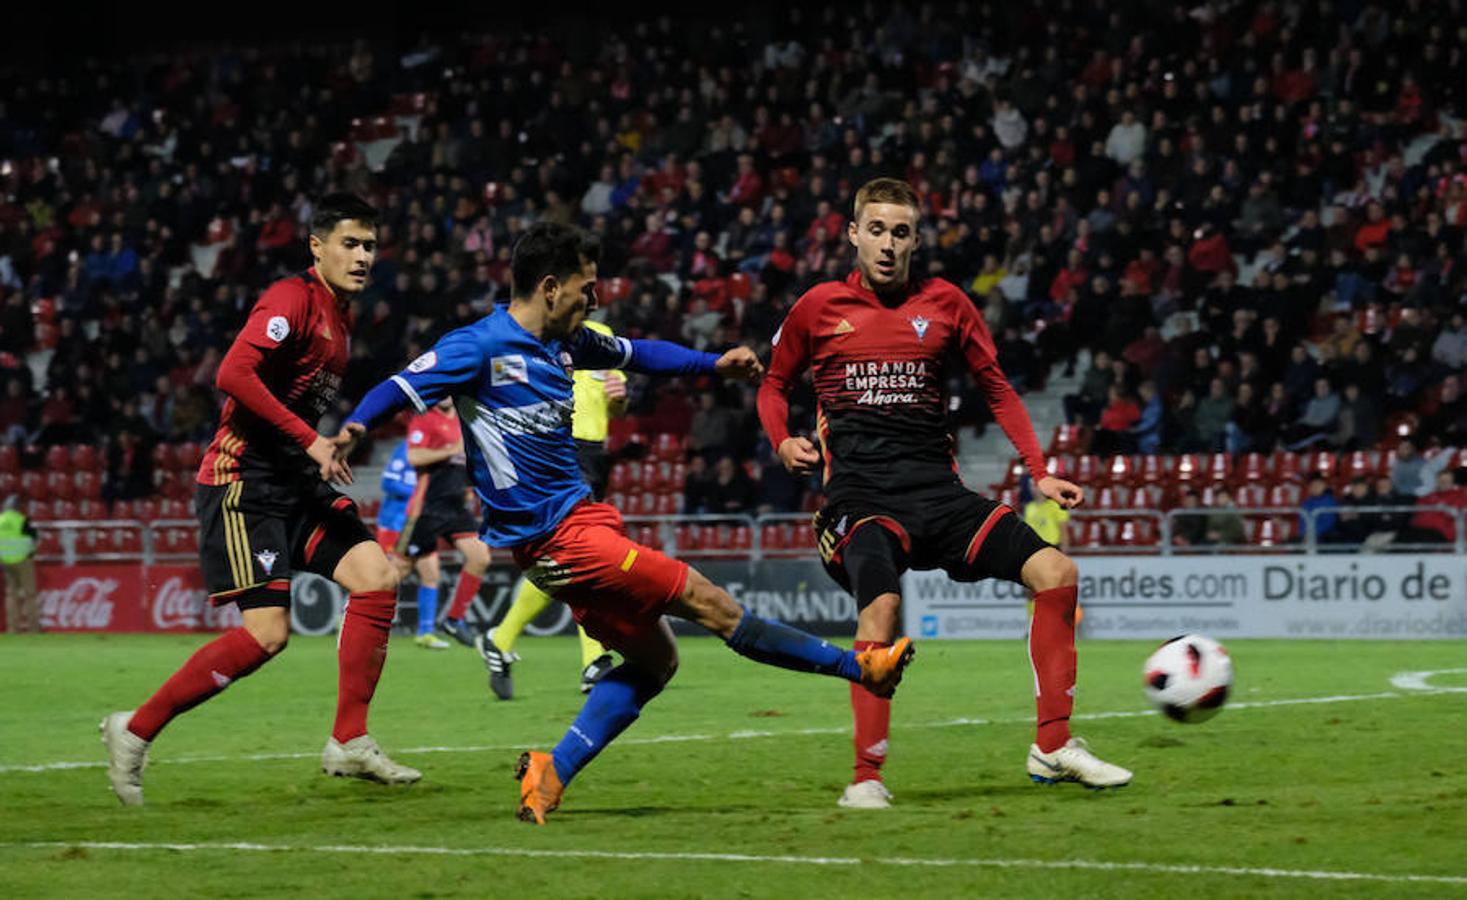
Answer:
x=270 y=627
x=1049 y=569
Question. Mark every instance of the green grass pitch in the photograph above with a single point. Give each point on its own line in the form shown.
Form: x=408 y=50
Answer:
x=727 y=786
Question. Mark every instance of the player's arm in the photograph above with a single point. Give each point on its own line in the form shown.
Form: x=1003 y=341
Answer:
x=595 y=350
x=615 y=388
x=452 y=363
x=278 y=315
x=788 y=361
x=426 y=445
x=976 y=344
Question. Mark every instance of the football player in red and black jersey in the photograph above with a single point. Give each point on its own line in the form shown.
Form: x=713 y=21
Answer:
x=878 y=344
x=267 y=509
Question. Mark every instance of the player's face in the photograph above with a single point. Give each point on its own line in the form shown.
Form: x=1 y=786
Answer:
x=344 y=257
x=570 y=301
x=884 y=235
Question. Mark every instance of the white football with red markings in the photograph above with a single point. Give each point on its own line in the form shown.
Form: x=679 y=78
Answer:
x=1189 y=678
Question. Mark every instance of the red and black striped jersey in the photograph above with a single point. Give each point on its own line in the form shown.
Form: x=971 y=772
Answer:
x=282 y=372
x=880 y=371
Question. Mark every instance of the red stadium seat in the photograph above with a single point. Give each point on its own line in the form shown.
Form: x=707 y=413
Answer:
x=145 y=510
x=1252 y=468
x=162 y=457
x=128 y=540
x=9 y=483
x=1321 y=462
x=38 y=510
x=1286 y=467
x=9 y=459
x=63 y=509
x=1154 y=469
x=1360 y=464
x=667 y=447
x=85 y=458
x=613 y=290
x=1058 y=466
x=87 y=508
x=48 y=544
x=1120 y=470
x=170 y=508
x=1012 y=474
x=666 y=504
x=1219 y=467
x=649 y=477
x=740 y=286
x=1282 y=496
x=57 y=458
x=684 y=537
x=675 y=477
x=61 y=483
x=188 y=455
x=88 y=484
x=1069 y=439
x=1009 y=497
x=1189 y=468
x=621 y=477
x=122 y=509
x=33 y=486
x=1147 y=496
x=1252 y=496
x=1137 y=533
x=1088 y=470
x=1106 y=498
x=1087 y=533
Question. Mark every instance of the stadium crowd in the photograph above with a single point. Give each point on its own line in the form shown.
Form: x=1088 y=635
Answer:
x=1242 y=221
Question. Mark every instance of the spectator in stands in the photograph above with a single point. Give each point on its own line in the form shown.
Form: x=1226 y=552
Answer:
x=1358 y=425
x=1189 y=527
x=696 y=486
x=1320 y=418
x=1224 y=523
x=1083 y=408
x=1250 y=427
x=1435 y=523
x=1447 y=419
x=1413 y=475
x=713 y=427
x=1352 y=527
x=1147 y=432
x=1210 y=421
x=1120 y=415
x=1449 y=351
x=1319 y=504
x=732 y=491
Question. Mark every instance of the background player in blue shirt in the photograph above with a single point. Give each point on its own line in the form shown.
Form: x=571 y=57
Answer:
x=399 y=480
x=510 y=377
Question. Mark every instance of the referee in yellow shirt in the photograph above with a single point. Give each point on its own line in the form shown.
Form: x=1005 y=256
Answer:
x=598 y=395
x=1048 y=519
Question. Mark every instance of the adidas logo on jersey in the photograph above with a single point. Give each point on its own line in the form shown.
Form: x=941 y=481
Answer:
x=844 y=327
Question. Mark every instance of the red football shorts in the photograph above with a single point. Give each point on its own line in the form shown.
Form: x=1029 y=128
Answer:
x=387 y=539
x=616 y=588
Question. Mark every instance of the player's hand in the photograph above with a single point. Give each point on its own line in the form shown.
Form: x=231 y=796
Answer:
x=615 y=386
x=328 y=455
x=1060 y=491
x=739 y=364
x=799 y=455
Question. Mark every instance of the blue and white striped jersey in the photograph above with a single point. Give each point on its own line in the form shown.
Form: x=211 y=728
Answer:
x=398 y=481
x=514 y=398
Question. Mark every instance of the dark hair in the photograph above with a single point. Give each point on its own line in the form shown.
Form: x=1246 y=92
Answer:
x=341 y=207
x=550 y=249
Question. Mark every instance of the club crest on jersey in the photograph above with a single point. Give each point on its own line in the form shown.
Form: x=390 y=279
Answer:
x=267 y=560
x=508 y=370
x=919 y=325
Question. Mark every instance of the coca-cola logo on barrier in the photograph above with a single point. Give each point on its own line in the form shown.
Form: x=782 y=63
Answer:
x=85 y=604
x=178 y=607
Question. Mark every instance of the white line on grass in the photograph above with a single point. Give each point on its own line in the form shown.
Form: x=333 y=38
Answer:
x=742 y=734
x=674 y=856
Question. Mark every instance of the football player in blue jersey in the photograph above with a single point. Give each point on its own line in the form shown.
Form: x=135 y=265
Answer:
x=399 y=480
x=510 y=377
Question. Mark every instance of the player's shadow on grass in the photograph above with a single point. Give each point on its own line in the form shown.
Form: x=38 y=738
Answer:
x=966 y=792
x=638 y=812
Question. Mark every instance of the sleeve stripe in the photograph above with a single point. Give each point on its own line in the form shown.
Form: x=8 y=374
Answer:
x=626 y=351
x=411 y=394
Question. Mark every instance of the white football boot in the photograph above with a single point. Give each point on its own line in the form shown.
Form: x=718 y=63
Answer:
x=127 y=757
x=1075 y=762
x=868 y=794
x=360 y=757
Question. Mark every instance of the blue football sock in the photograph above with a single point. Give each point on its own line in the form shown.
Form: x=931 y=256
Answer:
x=427 y=608
x=777 y=644
x=614 y=704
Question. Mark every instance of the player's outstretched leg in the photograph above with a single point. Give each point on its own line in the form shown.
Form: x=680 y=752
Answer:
x=361 y=651
x=427 y=568
x=476 y=563
x=1055 y=755
x=776 y=644
x=213 y=667
x=613 y=705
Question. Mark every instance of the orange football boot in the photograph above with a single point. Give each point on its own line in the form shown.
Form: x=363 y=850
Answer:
x=540 y=787
x=882 y=667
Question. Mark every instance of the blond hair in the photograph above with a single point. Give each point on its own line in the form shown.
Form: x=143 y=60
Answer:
x=887 y=190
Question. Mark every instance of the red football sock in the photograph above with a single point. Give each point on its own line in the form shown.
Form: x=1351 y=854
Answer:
x=464 y=594
x=229 y=657
x=873 y=724
x=1052 y=655
x=361 y=649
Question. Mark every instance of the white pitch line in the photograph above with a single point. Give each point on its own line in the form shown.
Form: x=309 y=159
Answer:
x=743 y=734
x=674 y=856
